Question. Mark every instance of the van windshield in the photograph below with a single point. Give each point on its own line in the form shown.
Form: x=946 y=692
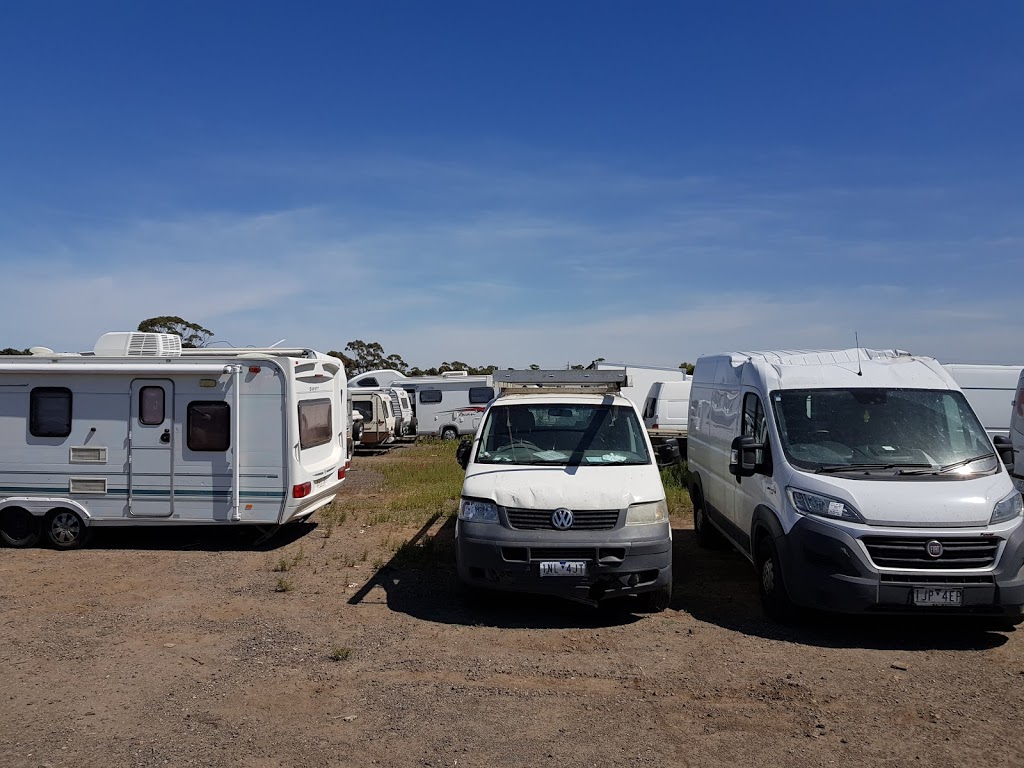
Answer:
x=562 y=435
x=907 y=431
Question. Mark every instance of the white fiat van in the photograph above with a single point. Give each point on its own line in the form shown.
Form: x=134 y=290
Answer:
x=562 y=494
x=1016 y=456
x=855 y=481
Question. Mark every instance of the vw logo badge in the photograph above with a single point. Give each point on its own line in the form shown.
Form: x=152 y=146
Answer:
x=934 y=548
x=561 y=518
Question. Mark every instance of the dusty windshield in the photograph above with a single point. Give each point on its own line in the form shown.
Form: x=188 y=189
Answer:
x=562 y=435
x=903 y=431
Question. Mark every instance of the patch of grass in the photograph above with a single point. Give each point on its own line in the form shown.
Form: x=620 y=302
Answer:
x=283 y=585
x=282 y=566
x=339 y=653
x=678 y=497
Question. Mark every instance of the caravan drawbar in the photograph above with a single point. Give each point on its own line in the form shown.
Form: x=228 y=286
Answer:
x=142 y=432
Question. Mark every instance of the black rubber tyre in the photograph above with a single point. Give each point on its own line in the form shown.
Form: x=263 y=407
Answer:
x=19 y=527
x=774 y=596
x=449 y=433
x=706 y=534
x=65 y=529
x=658 y=600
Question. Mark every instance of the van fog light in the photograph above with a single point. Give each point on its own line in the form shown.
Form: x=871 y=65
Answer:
x=646 y=514
x=1008 y=508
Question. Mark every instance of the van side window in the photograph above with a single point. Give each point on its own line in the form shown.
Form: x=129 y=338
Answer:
x=209 y=425
x=151 y=406
x=481 y=394
x=755 y=424
x=49 y=412
x=430 y=396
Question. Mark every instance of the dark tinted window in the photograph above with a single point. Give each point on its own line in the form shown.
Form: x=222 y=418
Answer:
x=151 y=406
x=209 y=426
x=481 y=394
x=314 y=423
x=370 y=382
x=430 y=396
x=50 y=412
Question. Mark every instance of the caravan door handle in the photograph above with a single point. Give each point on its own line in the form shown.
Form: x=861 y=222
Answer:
x=166 y=436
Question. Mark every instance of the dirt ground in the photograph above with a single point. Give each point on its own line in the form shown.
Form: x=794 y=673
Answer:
x=187 y=647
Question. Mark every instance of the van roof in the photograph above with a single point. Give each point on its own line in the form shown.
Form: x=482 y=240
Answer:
x=565 y=398
x=819 y=369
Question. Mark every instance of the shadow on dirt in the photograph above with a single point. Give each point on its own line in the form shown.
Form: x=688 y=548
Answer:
x=420 y=581
x=718 y=586
x=714 y=586
x=200 y=538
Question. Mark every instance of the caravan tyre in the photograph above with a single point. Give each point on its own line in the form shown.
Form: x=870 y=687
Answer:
x=65 y=529
x=19 y=527
x=449 y=433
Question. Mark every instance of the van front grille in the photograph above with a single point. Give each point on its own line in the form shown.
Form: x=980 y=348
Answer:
x=912 y=552
x=582 y=520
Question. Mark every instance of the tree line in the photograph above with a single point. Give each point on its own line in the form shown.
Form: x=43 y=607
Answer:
x=359 y=356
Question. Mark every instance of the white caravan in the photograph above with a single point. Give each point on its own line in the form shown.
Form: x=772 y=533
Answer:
x=143 y=432
x=855 y=481
x=640 y=378
x=989 y=389
x=378 y=424
x=444 y=406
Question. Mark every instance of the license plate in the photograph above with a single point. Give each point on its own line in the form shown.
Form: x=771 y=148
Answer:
x=929 y=596
x=563 y=568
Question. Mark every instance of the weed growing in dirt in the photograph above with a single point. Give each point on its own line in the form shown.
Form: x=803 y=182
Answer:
x=674 y=480
x=283 y=585
x=340 y=653
x=282 y=566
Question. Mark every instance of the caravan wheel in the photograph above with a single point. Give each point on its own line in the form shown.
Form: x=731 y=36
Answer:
x=65 y=529
x=449 y=433
x=19 y=527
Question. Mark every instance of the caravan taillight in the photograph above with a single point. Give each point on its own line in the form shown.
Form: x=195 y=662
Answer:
x=341 y=473
x=302 y=490
x=254 y=369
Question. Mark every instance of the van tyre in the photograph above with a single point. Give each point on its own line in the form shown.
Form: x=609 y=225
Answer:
x=19 y=527
x=774 y=595
x=65 y=529
x=657 y=600
x=705 y=533
x=449 y=433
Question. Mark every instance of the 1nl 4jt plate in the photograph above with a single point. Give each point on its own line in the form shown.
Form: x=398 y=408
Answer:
x=563 y=568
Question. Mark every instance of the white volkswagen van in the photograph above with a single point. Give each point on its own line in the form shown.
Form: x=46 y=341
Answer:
x=855 y=481
x=562 y=494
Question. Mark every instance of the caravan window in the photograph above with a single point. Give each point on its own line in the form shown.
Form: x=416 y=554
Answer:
x=481 y=394
x=209 y=425
x=50 y=412
x=430 y=396
x=370 y=382
x=314 y=423
x=151 y=406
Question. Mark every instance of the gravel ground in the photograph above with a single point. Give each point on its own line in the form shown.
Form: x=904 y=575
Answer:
x=187 y=647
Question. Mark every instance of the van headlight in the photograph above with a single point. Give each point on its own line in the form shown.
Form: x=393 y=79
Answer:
x=645 y=514
x=807 y=503
x=478 y=511
x=1007 y=509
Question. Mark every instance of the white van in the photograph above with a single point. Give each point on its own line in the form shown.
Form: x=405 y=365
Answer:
x=562 y=494
x=667 y=408
x=989 y=389
x=855 y=481
x=1017 y=436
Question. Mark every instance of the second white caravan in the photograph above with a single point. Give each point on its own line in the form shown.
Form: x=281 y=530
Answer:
x=855 y=481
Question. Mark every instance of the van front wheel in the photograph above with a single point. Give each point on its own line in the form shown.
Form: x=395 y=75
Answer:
x=703 y=531
x=774 y=596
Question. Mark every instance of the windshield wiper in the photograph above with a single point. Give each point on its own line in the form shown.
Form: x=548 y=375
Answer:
x=830 y=468
x=947 y=467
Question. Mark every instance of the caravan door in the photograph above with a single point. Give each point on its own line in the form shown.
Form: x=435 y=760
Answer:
x=151 y=448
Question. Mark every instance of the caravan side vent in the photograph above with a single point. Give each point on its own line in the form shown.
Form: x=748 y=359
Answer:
x=83 y=455
x=87 y=485
x=134 y=344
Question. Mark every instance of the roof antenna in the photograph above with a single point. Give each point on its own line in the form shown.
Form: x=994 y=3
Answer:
x=856 y=339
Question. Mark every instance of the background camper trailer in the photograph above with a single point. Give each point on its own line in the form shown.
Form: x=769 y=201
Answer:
x=143 y=432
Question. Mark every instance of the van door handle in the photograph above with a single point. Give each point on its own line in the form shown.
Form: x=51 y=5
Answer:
x=166 y=436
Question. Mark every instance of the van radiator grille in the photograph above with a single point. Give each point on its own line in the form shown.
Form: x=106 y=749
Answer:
x=912 y=552
x=582 y=520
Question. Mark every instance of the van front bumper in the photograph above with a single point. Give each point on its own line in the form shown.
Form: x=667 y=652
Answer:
x=825 y=567
x=622 y=561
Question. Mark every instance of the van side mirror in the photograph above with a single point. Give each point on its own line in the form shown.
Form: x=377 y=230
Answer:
x=462 y=452
x=743 y=456
x=668 y=454
x=1004 y=447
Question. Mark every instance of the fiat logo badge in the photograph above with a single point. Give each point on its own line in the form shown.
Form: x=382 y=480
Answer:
x=561 y=518
x=934 y=548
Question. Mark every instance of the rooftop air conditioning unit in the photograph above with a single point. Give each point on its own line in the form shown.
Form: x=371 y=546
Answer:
x=454 y=374
x=135 y=344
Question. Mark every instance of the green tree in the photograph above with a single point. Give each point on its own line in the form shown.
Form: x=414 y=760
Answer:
x=13 y=351
x=688 y=367
x=192 y=334
x=363 y=356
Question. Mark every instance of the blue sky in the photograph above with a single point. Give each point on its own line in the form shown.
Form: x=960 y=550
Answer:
x=512 y=183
